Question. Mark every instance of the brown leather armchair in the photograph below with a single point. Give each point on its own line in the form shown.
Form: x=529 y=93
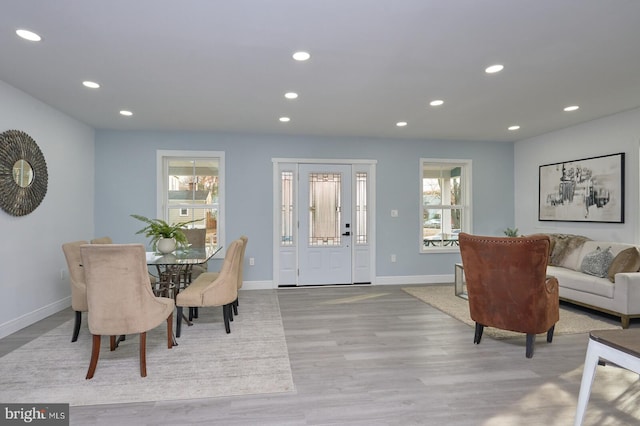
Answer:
x=508 y=286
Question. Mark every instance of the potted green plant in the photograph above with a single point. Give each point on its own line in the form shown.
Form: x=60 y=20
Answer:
x=160 y=230
x=509 y=232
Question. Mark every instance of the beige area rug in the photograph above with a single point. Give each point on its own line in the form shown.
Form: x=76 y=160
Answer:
x=207 y=362
x=444 y=299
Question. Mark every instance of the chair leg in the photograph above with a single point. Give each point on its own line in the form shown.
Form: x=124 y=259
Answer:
x=195 y=312
x=235 y=307
x=143 y=354
x=112 y=343
x=226 y=310
x=531 y=342
x=170 y=331
x=76 y=326
x=191 y=310
x=95 y=352
x=478 y=335
x=550 y=333
x=179 y=321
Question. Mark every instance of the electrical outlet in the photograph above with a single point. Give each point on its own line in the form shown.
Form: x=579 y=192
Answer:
x=252 y=261
x=394 y=213
x=393 y=258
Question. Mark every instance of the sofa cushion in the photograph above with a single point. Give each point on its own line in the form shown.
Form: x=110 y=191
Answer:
x=578 y=281
x=597 y=262
x=567 y=249
x=628 y=260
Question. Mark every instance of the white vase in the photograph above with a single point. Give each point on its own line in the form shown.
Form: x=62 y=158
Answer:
x=166 y=245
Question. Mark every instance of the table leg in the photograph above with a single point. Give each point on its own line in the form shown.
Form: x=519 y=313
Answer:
x=588 y=374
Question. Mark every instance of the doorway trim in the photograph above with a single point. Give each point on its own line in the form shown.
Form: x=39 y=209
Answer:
x=370 y=165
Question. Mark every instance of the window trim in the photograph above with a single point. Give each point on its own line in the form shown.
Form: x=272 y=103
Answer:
x=162 y=190
x=466 y=206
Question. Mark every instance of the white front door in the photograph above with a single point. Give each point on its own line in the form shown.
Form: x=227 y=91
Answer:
x=325 y=228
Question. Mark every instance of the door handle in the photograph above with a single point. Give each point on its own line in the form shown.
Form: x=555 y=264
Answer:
x=347 y=233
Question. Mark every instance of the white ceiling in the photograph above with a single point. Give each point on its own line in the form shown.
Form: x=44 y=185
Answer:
x=224 y=65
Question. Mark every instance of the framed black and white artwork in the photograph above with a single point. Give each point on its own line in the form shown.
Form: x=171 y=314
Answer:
x=585 y=190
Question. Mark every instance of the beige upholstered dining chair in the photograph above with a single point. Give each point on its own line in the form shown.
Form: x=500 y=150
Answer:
x=219 y=291
x=77 y=281
x=120 y=298
x=213 y=275
x=197 y=237
x=108 y=240
x=245 y=240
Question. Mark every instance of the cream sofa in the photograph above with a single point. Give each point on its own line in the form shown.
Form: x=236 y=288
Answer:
x=619 y=298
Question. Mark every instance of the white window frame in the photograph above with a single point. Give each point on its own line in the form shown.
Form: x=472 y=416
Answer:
x=466 y=197
x=162 y=201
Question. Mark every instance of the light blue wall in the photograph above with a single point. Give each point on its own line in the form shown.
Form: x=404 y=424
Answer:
x=126 y=183
x=33 y=277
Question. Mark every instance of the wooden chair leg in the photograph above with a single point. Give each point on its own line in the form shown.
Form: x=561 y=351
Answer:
x=170 y=331
x=531 y=341
x=113 y=344
x=143 y=354
x=95 y=352
x=179 y=321
x=76 y=326
x=478 y=335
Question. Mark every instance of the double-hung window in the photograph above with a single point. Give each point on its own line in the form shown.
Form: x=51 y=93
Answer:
x=445 y=194
x=192 y=189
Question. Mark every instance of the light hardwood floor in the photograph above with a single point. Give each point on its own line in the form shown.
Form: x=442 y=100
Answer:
x=374 y=355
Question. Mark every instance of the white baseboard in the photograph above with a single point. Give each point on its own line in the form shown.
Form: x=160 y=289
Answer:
x=257 y=285
x=26 y=320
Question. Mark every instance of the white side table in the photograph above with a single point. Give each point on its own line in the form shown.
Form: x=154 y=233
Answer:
x=459 y=282
x=619 y=347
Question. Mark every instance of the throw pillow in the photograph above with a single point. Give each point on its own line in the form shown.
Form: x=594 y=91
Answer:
x=627 y=260
x=597 y=262
x=566 y=248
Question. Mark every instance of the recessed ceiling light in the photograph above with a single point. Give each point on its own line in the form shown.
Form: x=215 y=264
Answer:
x=28 y=35
x=291 y=95
x=436 y=102
x=284 y=119
x=126 y=113
x=516 y=127
x=91 y=84
x=572 y=108
x=401 y=123
x=301 y=56
x=494 y=69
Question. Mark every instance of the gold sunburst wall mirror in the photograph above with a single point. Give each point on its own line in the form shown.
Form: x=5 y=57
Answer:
x=23 y=173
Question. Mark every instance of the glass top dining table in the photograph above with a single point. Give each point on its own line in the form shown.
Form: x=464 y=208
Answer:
x=176 y=266
x=187 y=256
